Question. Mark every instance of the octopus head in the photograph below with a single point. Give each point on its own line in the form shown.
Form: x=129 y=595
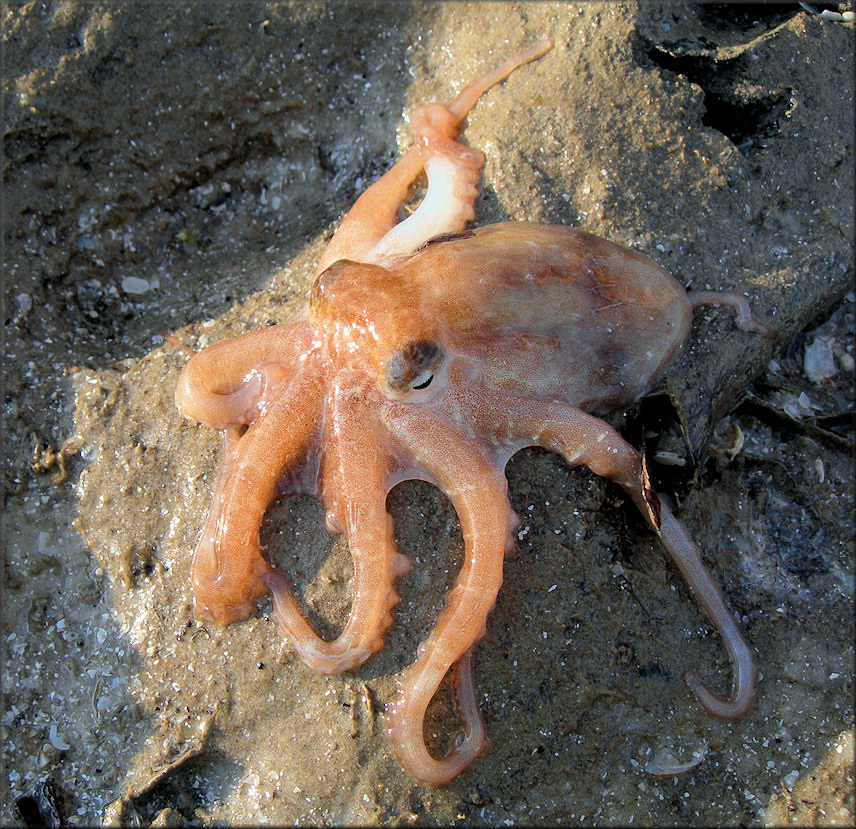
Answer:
x=374 y=326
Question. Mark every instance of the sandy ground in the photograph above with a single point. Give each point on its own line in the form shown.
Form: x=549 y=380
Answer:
x=178 y=168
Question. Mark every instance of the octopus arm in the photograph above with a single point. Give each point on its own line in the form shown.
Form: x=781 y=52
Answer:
x=687 y=557
x=229 y=572
x=370 y=232
x=744 y=320
x=355 y=481
x=583 y=439
x=374 y=213
x=226 y=385
x=448 y=205
x=477 y=489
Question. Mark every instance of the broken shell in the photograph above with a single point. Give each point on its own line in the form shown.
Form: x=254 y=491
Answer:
x=665 y=764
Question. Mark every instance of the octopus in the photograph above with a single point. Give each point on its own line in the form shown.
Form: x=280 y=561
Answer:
x=431 y=351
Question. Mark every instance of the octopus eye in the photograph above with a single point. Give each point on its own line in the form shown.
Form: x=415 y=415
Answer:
x=424 y=383
x=413 y=366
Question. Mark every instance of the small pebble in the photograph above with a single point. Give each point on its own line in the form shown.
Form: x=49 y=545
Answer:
x=135 y=285
x=790 y=779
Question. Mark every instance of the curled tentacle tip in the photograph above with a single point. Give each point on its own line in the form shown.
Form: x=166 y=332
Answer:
x=727 y=710
x=475 y=751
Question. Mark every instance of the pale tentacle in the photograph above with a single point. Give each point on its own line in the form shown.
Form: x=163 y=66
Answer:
x=744 y=320
x=370 y=232
x=448 y=206
x=687 y=557
x=355 y=482
x=229 y=573
x=583 y=439
x=477 y=489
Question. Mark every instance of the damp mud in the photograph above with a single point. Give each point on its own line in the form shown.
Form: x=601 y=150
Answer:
x=177 y=169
